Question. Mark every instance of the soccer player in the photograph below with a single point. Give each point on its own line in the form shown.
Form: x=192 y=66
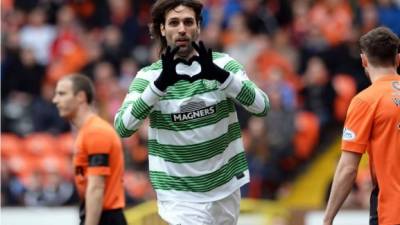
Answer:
x=196 y=159
x=373 y=125
x=98 y=159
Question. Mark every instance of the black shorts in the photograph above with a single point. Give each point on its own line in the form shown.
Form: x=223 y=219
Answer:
x=114 y=216
x=373 y=206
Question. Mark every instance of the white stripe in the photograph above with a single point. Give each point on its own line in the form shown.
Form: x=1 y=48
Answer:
x=150 y=75
x=131 y=97
x=213 y=195
x=222 y=61
x=240 y=75
x=130 y=122
x=234 y=87
x=149 y=96
x=189 y=137
x=156 y=90
x=173 y=105
x=196 y=168
x=191 y=70
x=227 y=82
x=258 y=105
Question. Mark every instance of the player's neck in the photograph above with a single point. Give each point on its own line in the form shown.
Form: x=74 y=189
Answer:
x=82 y=115
x=377 y=72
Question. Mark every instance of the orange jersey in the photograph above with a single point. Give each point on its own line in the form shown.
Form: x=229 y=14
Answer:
x=373 y=124
x=99 y=152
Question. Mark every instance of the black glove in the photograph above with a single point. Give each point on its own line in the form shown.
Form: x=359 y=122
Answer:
x=168 y=75
x=209 y=70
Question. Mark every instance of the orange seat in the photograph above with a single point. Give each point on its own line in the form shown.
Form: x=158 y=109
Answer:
x=65 y=143
x=55 y=163
x=307 y=134
x=40 y=144
x=20 y=165
x=345 y=87
x=10 y=145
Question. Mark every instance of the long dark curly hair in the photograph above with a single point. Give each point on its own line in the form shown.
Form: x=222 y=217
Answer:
x=161 y=8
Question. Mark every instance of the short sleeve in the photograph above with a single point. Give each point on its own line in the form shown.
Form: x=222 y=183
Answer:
x=98 y=144
x=357 y=127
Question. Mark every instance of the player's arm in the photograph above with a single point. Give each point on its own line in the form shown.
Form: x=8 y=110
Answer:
x=94 y=199
x=343 y=181
x=245 y=92
x=137 y=105
x=99 y=145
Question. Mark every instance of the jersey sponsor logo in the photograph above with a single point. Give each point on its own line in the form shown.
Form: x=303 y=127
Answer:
x=348 y=134
x=396 y=85
x=396 y=101
x=196 y=114
x=192 y=106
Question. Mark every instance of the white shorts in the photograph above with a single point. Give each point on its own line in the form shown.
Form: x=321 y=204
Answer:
x=221 y=212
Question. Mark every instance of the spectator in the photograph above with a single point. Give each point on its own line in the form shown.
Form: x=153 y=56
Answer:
x=113 y=46
x=25 y=74
x=318 y=93
x=68 y=54
x=38 y=36
x=333 y=19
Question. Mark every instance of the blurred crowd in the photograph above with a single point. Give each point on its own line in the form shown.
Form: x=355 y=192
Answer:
x=303 y=53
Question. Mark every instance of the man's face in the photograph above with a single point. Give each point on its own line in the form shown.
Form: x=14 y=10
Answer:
x=65 y=99
x=180 y=29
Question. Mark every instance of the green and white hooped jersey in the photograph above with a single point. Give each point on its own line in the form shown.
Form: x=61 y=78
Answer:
x=195 y=147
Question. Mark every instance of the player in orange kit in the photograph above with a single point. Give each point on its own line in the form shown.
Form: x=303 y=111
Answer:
x=98 y=158
x=373 y=125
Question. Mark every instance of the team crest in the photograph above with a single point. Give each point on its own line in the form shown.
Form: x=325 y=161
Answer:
x=210 y=84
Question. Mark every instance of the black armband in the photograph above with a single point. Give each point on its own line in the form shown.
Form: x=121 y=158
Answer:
x=98 y=160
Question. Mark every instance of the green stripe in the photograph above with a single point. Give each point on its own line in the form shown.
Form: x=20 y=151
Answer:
x=140 y=109
x=217 y=55
x=203 y=183
x=121 y=129
x=266 y=109
x=119 y=125
x=195 y=152
x=164 y=121
x=138 y=85
x=184 y=89
x=233 y=66
x=247 y=94
x=155 y=66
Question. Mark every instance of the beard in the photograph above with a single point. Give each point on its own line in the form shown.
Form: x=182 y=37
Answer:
x=185 y=52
